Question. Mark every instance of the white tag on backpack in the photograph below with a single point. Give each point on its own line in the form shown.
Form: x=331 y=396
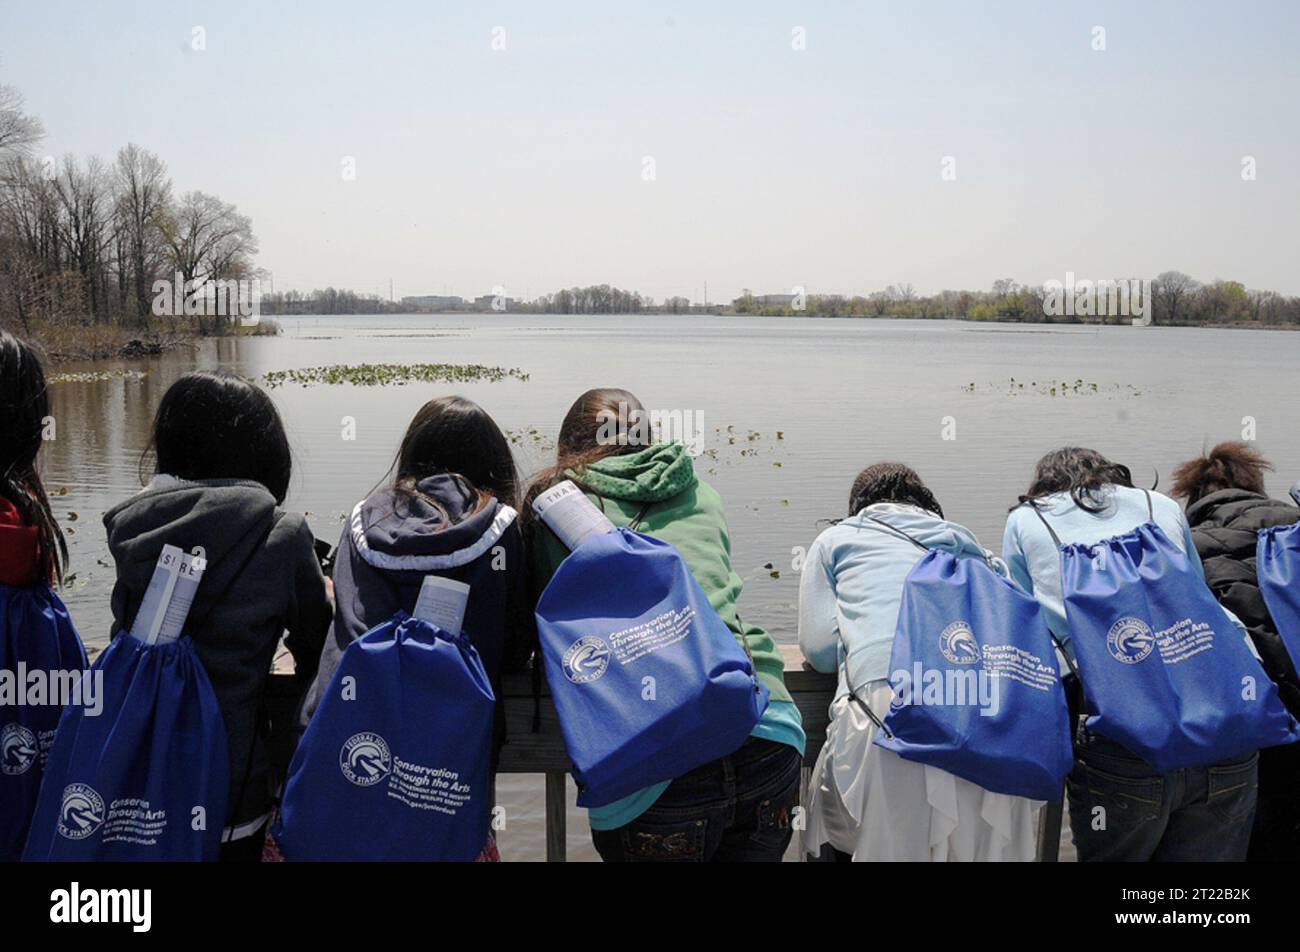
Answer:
x=568 y=513
x=442 y=603
x=168 y=598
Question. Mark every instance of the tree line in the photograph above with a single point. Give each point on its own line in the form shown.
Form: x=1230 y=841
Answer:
x=1175 y=299
x=83 y=240
x=594 y=299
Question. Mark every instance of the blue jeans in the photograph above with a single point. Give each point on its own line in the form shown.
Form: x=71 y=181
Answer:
x=735 y=809
x=1122 y=810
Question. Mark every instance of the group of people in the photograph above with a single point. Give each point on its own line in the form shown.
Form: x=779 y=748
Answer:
x=454 y=505
x=869 y=803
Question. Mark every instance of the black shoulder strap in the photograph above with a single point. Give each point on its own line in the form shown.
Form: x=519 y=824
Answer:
x=1151 y=506
x=640 y=514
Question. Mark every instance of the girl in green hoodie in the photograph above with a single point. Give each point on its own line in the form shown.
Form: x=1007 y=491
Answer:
x=738 y=807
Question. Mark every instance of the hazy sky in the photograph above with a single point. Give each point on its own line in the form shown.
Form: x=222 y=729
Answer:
x=773 y=166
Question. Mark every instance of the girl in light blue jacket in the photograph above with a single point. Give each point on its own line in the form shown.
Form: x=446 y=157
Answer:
x=868 y=803
x=1121 y=808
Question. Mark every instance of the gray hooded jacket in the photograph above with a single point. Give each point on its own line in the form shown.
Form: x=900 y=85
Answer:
x=262 y=579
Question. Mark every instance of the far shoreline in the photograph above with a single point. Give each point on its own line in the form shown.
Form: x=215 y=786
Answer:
x=71 y=343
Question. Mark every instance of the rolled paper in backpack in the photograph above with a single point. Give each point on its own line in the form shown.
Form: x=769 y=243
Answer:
x=442 y=603
x=168 y=598
x=568 y=513
x=146 y=776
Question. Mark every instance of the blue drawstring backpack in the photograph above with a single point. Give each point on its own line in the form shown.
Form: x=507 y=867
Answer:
x=648 y=681
x=399 y=767
x=1164 y=670
x=1277 y=566
x=36 y=635
x=132 y=782
x=141 y=775
x=977 y=692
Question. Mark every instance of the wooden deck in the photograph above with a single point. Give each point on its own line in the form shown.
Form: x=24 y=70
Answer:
x=542 y=752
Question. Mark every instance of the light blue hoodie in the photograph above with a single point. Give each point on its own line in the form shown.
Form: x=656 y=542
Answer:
x=1034 y=559
x=852 y=586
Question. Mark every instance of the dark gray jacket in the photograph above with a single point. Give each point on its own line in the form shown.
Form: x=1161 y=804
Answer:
x=261 y=579
x=395 y=538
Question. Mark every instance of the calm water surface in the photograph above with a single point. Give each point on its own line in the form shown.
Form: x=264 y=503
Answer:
x=790 y=409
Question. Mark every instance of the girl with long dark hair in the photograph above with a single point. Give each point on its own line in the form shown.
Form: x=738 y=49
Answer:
x=447 y=508
x=35 y=629
x=221 y=469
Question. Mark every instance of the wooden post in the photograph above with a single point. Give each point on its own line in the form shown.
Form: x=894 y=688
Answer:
x=556 y=815
x=536 y=744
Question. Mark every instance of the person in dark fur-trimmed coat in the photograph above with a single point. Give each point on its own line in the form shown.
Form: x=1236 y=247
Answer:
x=1226 y=506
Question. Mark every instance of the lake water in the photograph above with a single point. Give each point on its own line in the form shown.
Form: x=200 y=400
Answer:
x=789 y=410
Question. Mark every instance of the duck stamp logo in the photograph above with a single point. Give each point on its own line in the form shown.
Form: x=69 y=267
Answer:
x=365 y=759
x=1130 y=640
x=958 y=644
x=586 y=660
x=18 y=749
x=81 y=813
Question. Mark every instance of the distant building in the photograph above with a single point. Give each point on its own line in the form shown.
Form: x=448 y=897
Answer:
x=774 y=300
x=486 y=301
x=434 y=301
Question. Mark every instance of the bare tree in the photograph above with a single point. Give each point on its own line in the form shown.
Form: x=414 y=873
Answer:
x=18 y=131
x=86 y=226
x=206 y=236
x=144 y=193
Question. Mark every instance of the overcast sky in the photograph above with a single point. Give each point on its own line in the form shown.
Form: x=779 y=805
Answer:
x=773 y=166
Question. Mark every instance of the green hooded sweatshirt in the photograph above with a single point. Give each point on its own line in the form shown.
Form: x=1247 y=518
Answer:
x=683 y=511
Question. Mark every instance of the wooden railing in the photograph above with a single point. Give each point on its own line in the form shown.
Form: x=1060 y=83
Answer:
x=542 y=751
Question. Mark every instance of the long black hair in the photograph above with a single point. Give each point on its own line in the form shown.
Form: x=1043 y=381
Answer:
x=891 y=482
x=24 y=407
x=456 y=436
x=221 y=426
x=1083 y=473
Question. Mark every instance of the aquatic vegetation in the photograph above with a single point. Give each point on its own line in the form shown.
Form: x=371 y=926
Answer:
x=1053 y=388
x=385 y=375
x=94 y=376
x=531 y=437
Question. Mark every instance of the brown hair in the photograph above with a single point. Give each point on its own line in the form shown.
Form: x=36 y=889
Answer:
x=891 y=482
x=580 y=442
x=1231 y=465
x=1081 y=472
